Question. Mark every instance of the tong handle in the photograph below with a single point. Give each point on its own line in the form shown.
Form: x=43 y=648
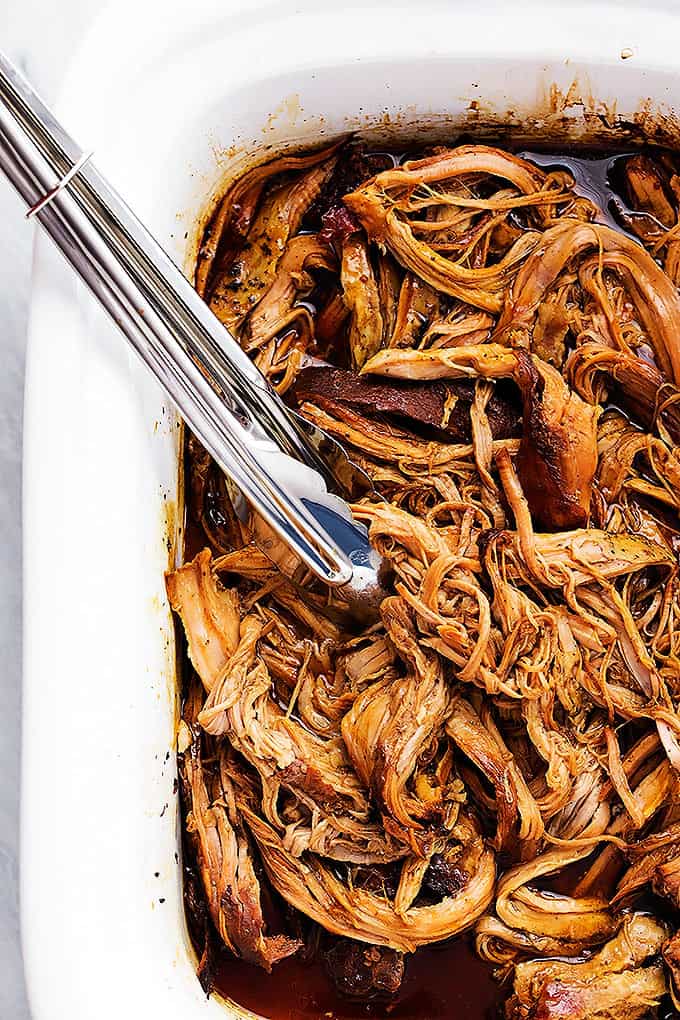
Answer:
x=219 y=392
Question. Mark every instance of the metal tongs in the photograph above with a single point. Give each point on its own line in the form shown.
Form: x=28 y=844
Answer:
x=221 y=395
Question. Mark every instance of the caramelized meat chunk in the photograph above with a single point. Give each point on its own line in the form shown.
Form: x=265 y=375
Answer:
x=558 y=454
x=442 y=405
x=364 y=972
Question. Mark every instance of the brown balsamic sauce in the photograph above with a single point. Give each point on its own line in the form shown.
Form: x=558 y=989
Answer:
x=441 y=982
x=448 y=980
x=595 y=179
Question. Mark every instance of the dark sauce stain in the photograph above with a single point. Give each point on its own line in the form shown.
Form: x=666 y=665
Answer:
x=441 y=982
x=446 y=980
x=195 y=539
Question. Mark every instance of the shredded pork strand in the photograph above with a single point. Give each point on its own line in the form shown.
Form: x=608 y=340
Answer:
x=500 y=752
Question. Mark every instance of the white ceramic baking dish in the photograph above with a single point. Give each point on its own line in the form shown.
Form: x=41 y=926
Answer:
x=173 y=96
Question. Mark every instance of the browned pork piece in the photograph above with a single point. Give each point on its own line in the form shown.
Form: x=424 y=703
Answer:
x=557 y=458
x=229 y=226
x=360 y=293
x=461 y=325
x=394 y=721
x=656 y=862
x=656 y=298
x=443 y=405
x=648 y=188
x=243 y=282
x=314 y=888
x=418 y=306
x=578 y=557
x=558 y=454
x=562 y=558
x=281 y=328
x=382 y=206
x=595 y=369
x=382 y=441
x=651 y=782
x=484 y=745
x=208 y=500
x=622 y=981
x=277 y=310
x=634 y=462
x=364 y=972
x=210 y=615
x=225 y=858
x=553 y=922
x=240 y=706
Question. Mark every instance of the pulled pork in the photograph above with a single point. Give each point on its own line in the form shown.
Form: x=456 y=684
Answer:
x=500 y=752
x=623 y=978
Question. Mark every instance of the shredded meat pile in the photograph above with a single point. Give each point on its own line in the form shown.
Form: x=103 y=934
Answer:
x=500 y=753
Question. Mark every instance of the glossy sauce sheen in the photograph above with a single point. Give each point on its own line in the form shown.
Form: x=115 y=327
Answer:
x=441 y=983
x=445 y=981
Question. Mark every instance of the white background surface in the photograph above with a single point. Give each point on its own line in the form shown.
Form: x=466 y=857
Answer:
x=40 y=38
